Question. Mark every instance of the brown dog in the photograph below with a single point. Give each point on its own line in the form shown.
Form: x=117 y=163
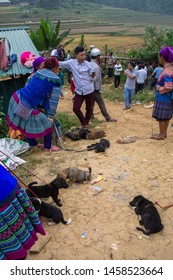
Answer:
x=77 y=175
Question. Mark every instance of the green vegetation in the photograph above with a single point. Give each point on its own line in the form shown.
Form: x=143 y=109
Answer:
x=67 y=121
x=3 y=127
x=155 y=39
x=155 y=6
x=47 y=37
x=117 y=95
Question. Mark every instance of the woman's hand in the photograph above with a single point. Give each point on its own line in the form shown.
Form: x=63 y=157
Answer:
x=51 y=120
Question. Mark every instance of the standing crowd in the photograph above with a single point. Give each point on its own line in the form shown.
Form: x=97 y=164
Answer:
x=32 y=110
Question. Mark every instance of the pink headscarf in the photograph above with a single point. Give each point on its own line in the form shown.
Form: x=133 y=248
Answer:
x=167 y=53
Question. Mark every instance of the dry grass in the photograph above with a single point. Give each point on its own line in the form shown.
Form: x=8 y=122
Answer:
x=113 y=42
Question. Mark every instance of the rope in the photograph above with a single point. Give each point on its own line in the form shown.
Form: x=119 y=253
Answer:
x=61 y=143
x=24 y=168
x=163 y=207
x=20 y=180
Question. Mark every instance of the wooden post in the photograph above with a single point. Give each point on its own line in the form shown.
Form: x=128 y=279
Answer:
x=106 y=53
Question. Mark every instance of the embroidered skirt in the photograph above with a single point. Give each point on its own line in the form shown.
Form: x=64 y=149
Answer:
x=19 y=223
x=162 y=111
x=37 y=126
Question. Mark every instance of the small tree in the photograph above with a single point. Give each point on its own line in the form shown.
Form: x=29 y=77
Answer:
x=82 y=41
x=47 y=37
x=155 y=39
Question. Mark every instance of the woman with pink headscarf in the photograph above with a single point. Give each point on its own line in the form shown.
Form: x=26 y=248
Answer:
x=163 y=107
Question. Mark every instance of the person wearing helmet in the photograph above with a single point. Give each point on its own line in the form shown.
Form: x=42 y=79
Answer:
x=98 y=98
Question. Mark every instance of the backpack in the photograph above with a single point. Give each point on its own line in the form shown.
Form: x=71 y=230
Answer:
x=4 y=59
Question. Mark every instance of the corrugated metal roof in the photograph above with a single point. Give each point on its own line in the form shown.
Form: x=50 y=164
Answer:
x=5 y=1
x=20 y=42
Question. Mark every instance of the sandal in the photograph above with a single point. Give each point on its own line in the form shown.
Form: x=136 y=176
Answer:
x=53 y=149
x=158 y=137
x=111 y=120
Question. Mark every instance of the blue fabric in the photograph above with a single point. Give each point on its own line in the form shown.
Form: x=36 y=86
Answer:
x=53 y=101
x=158 y=71
x=8 y=183
x=61 y=76
x=162 y=110
x=39 y=88
x=164 y=97
x=128 y=95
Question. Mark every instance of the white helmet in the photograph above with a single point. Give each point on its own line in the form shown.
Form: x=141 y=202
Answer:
x=95 y=52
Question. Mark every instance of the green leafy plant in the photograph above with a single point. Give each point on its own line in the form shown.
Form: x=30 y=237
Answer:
x=47 y=36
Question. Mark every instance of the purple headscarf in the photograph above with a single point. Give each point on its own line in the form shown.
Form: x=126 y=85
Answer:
x=37 y=62
x=167 y=53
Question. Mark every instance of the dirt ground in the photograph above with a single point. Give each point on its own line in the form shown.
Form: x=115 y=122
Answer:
x=102 y=224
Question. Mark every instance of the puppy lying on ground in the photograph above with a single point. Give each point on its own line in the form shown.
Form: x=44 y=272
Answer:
x=49 y=211
x=77 y=175
x=48 y=190
x=99 y=147
x=150 y=217
x=83 y=133
x=127 y=140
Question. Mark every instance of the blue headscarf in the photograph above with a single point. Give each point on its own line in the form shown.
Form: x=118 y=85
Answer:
x=8 y=184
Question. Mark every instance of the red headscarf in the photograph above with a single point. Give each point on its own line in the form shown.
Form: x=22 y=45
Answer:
x=51 y=62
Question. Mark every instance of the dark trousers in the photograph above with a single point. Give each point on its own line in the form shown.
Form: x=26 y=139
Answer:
x=77 y=104
x=47 y=141
x=68 y=76
x=110 y=72
x=98 y=98
x=139 y=87
x=117 y=81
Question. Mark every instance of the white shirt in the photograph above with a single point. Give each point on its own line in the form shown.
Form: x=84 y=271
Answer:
x=118 y=69
x=141 y=76
x=98 y=77
x=130 y=83
x=136 y=68
x=54 y=52
x=68 y=56
x=81 y=74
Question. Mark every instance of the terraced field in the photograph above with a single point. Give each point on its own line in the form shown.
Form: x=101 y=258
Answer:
x=101 y=24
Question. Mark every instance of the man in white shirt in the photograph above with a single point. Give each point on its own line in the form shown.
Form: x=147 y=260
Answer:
x=54 y=53
x=83 y=75
x=117 y=74
x=111 y=64
x=98 y=98
x=68 y=55
x=68 y=72
x=141 y=77
x=129 y=87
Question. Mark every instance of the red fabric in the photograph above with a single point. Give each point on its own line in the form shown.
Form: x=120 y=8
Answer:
x=72 y=86
x=3 y=55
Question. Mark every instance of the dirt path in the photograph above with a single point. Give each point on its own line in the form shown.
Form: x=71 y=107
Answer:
x=143 y=167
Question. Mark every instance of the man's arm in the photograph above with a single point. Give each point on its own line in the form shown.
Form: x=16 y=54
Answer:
x=65 y=64
x=129 y=75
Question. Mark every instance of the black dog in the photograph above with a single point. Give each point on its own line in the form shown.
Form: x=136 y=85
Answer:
x=150 y=217
x=100 y=146
x=49 y=211
x=48 y=190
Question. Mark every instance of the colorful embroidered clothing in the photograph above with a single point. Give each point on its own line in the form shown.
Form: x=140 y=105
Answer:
x=163 y=108
x=36 y=92
x=19 y=222
x=39 y=88
x=165 y=81
x=37 y=126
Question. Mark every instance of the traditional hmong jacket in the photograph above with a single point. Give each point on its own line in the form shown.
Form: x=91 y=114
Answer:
x=39 y=88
